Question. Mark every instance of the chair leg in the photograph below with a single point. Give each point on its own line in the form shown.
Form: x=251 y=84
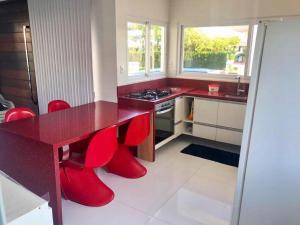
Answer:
x=125 y=165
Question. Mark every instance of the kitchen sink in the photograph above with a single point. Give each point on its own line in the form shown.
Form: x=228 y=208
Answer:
x=237 y=97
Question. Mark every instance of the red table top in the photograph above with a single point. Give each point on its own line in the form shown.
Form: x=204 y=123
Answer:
x=74 y=124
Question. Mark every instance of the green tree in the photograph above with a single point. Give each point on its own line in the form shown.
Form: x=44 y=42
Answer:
x=202 y=51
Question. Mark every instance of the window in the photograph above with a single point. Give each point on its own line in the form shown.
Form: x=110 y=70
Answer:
x=216 y=50
x=157 y=44
x=136 y=48
x=146 y=49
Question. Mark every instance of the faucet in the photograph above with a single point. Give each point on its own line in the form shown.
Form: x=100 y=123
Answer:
x=239 y=91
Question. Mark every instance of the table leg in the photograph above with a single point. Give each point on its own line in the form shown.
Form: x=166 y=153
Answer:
x=146 y=151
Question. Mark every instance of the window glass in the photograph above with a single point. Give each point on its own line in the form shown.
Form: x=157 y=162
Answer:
x=215 y=50
x=136 y=48
x=157 y=45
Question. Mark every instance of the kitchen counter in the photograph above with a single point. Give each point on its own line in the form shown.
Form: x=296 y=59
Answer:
x=176 y=92
x=218 y=95
x=183 y=91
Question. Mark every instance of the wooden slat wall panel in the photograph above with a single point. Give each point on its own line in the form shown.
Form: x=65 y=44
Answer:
x=15 y=56
x=61 y=36
x=14 y=74
x=14 y=47
x=14 y=81
x=16 y=6
x=18 y=65
x=12 y=27
x=12 y=17
x=14 y=37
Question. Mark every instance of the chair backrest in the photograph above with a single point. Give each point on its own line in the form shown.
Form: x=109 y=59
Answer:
x=18 y=114
x=58 y=105
x=138 y=129
x=101 y=148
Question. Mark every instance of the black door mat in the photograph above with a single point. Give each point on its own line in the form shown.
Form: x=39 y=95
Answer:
x=220 y=156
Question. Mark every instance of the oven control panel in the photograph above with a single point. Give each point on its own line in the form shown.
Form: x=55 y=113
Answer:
x=165 y=105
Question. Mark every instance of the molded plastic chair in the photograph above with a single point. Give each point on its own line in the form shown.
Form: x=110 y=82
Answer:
x=124 y=163
x=58 y=105
x=18 y=114
x=79 y=182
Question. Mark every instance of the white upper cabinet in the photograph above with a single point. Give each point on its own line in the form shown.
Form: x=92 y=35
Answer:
x=231 y=115
x=206 y=111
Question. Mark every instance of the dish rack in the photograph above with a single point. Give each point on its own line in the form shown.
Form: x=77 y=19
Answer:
x=6 y=103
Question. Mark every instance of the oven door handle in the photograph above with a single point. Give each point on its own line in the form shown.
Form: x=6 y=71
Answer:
x=164 y=111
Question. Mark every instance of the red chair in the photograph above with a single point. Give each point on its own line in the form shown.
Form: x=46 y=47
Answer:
x=79 y=183
x=123 y=163
x=58 y=105
x=18 y=114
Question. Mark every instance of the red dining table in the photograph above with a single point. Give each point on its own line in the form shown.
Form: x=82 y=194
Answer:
x=29 y=148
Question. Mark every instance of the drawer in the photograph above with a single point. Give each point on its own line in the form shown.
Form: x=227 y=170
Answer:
x=204 y=132
x=231 y=115
x=206 y=111
x=229 y=136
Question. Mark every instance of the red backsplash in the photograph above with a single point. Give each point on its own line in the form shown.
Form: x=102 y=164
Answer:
x=123 y=90
x=226 y=87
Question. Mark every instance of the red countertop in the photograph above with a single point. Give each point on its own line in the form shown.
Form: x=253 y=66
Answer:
x=175 y=93
x=218 y=95
x=181 y=91
x=74 y=124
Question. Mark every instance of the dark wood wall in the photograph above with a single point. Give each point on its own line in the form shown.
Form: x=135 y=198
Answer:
x=14 y=80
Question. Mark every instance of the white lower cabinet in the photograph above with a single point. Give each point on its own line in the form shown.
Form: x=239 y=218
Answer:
x=229 y=136
x=205 y=132
x=178 y=128
x=206 y=111
x=216 y=120
x=231 y=115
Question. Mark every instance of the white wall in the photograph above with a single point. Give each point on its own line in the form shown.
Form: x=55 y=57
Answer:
x=220 y=12
x=104 y=49
x=62 y=49
x=154 y=10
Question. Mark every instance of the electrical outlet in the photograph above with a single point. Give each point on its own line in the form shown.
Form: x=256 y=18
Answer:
x=122 y=69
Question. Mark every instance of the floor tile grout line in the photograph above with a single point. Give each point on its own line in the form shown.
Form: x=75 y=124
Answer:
x=152 y=217
x=181 y=186
x=129 y=206
x=164 y=203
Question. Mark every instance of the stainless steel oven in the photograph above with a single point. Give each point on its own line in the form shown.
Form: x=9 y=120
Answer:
x=164 y=120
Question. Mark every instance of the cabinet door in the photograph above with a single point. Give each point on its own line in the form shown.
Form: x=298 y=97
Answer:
x=178 y=129
x=204 y=132
x=229 y=136
x=206 y=111
x=231 y=115
x=179 y=109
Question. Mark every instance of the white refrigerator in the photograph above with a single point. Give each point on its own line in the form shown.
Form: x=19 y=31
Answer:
x=268 y=191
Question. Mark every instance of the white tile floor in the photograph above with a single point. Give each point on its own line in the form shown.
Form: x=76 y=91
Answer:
x=178 y=190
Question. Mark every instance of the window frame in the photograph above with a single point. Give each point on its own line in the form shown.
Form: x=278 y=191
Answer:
x=148 y=73
x=187 y=74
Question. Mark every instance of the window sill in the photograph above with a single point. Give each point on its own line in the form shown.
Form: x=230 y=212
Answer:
x=213 y=77
x=143 y=78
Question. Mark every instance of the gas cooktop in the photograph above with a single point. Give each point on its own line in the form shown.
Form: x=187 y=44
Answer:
x=151 y=94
